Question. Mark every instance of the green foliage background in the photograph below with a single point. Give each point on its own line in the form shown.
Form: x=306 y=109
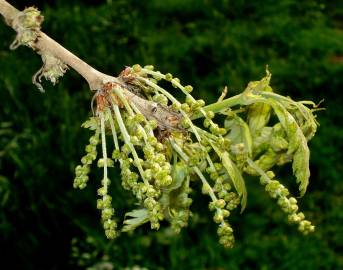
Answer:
x=208 y=44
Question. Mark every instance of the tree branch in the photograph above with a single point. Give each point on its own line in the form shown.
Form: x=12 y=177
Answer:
x=45 y=44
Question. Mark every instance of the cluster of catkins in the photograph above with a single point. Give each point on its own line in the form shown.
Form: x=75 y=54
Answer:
x=160 y=150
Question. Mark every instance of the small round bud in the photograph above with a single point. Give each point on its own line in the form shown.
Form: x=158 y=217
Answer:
x=206 y=188
x=185 y=107
x=101 y=191
x=175 y=82
x=149 y=67
x=153 y=124
x=188 y=88
x=207 y=123
x=99 y=204
x=292 y=200
x=270 y=174
x=210 y=114
x=220 y=203
x=116 y=154
x=168 y=77
x=110 y=234
x=201 y=102
x=90 y=148
x=136 y=68
x=218 y=217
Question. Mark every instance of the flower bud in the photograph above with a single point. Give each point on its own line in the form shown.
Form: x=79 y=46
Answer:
x=220 y=203
x=188 y=88
x=218 y=217
x=168 y=77
x=136 y=68
x=149 y=67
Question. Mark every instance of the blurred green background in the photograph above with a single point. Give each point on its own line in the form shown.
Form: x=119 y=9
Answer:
x=46 y=224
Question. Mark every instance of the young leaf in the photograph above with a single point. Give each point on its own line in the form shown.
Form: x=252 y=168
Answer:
x=297 y=146
x=137 y=218
x=235 y=175
x=259 y=113
x=236 y=178
x=239 y=133
x=91 y=123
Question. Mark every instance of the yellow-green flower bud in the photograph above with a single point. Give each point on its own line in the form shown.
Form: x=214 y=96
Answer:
x=136 y=68
x=210 y=114
x=175 y=81
x=168 y=77
x=218 y=217
x=220 y=203
x=149 y=67
x=188 y=88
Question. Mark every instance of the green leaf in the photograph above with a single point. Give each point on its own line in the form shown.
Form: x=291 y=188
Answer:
x=297 y=143
x=92 y=123
x=262 y=141
x=302 y=114
x=258 y=116
x=179 y=173
x=136 y=218
x=239 y=133
x=235 y=176
x=297 y=146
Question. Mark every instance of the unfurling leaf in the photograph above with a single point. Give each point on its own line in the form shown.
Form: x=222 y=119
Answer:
x=262 y=142
x=136 y=218
x=259 y=113
x=235 y=176
x=92 y=123
x=239 y=133
x=297 y=146
x=179 y=173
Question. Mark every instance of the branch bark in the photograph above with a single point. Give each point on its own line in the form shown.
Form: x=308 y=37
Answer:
x=46 y=44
